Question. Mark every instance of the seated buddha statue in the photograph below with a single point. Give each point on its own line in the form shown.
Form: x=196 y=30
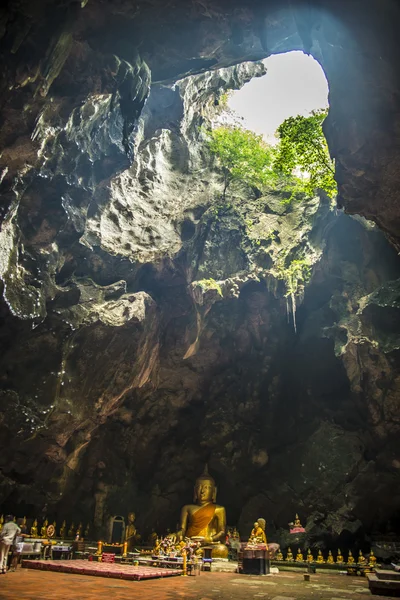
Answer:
x=289 y=555
x=34 y=529
x=257 y=535
x=330 y=560
x=71 y=531
x=320 y=558
x=299 y=556
x=279 y=556
x=204 y=520
x=372 y=559
x=350 y=559
x=310 y=557
x=297 y=521
x=361 y=559
x=43 y=530
x=339 y=558
x=63 y=530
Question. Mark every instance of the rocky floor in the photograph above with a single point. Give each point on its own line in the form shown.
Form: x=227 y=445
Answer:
x=30 y=585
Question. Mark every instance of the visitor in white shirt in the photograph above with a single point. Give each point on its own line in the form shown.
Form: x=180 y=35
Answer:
x=7 y=535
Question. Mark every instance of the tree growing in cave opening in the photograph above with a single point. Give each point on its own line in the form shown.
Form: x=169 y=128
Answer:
x=242 y=154
x=299 y=164
x=302 y=156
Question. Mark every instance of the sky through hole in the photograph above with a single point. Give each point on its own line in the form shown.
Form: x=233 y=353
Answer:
x=295 y=84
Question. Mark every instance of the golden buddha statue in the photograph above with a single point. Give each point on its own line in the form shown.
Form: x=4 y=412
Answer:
x=34 y=529
x=204 y=521
x=130 y=531
x=78 y=532
x=24 y=526
x=289 y=555
x=320 y=558
x=63 y=529
x=350 y=558
x=297 y=521
x=71 y=531
x=372 y=559
x=361 y=559
x=310 y=557
x=257 y=535
x=330 y=560
x=339 y=558
x=279 y=556
x=43 y=529
x=299 y=556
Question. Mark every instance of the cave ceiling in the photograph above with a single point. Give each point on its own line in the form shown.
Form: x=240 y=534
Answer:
x=120 y=372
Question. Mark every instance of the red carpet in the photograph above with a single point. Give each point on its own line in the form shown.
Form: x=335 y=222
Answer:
x=100 y=569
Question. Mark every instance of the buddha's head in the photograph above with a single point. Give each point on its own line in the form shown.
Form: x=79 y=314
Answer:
x=262 y=523
x=131 y=517
x=205 y=489
x=256 y=525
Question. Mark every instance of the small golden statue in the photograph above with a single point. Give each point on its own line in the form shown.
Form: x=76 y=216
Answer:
x=361 y=559
x=299 y=556
x=130 y=531
x=372 y=559
x=71 y=530
x=157 y=547
x=339 y=558
x=43 y=530
x=350 y=558
x=34 y=529
x=78 y=532
x=63 y=529
x=320 y=558
x=257 y=535
x=330 y=560
x=289 y=555
x=279 y=556
x=297 y=521
x=204 y=520
x=310 y=557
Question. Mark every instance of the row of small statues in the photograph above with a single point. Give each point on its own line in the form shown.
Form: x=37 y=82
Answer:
x=50 y=529
x=362 y=560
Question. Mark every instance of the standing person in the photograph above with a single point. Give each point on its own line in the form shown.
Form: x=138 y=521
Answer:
x=18 y=545
x=7 y=535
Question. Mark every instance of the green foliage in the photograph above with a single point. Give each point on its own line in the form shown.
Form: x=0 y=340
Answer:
x=243 y=155
x=302 y=156
x=210 y=284
x=295 y=276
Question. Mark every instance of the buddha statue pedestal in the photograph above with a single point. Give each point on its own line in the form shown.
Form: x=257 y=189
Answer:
x=204 y=521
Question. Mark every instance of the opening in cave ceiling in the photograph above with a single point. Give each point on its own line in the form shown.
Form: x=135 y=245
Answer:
x=295 y=84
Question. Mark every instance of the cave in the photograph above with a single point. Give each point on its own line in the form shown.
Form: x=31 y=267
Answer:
x=122 y=371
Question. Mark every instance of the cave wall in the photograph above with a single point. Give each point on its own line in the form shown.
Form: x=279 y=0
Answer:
x=125 y=366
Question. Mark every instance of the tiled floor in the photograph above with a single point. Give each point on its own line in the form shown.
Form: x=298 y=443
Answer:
x=27 y=584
